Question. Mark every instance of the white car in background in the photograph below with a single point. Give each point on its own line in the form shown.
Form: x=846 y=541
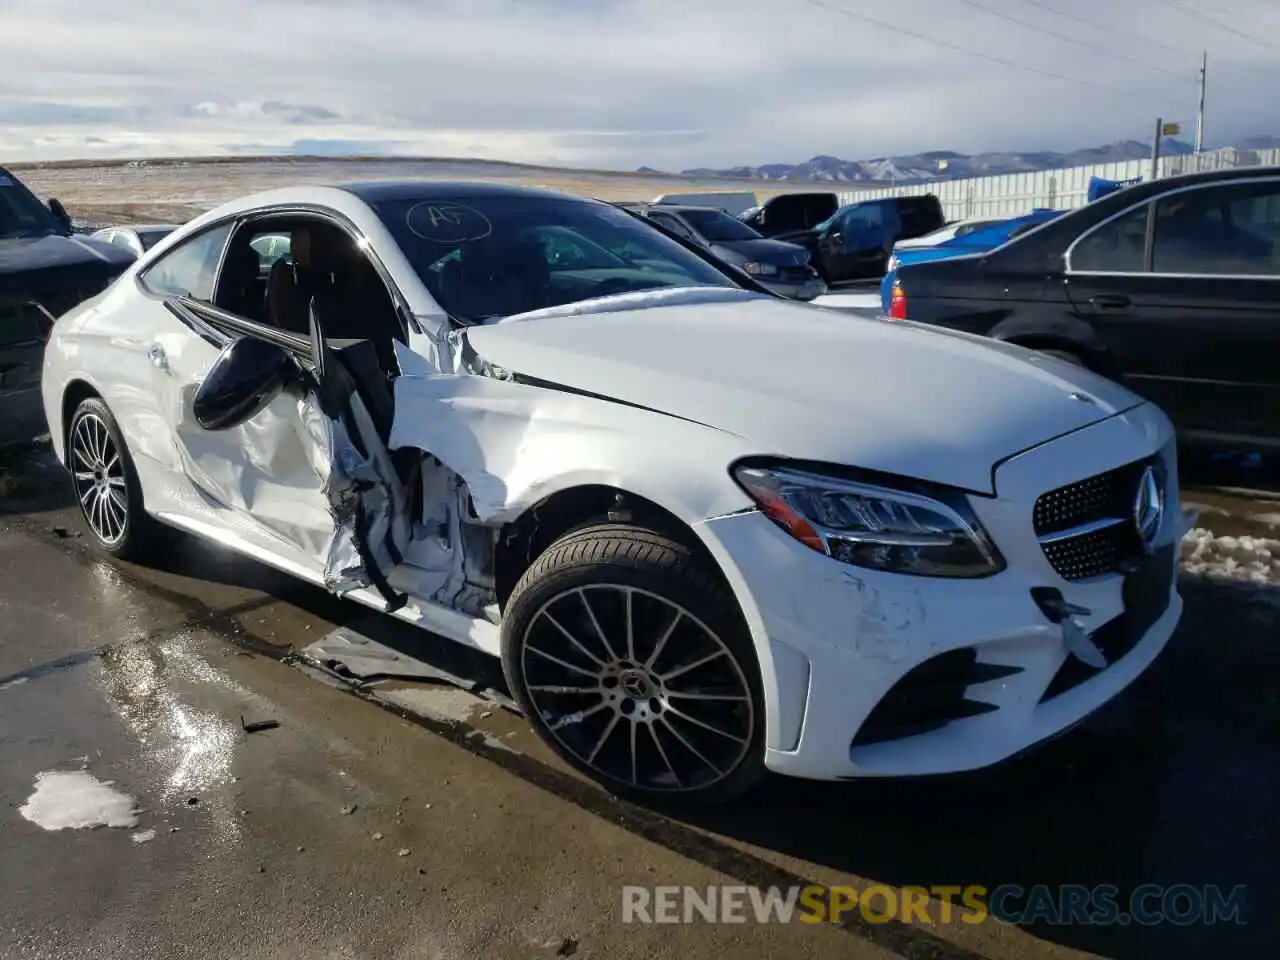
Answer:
x=709 y=532
x=137 y=238
x=952 y=230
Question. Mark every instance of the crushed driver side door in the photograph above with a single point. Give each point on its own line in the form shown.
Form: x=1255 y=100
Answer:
x=306 y=478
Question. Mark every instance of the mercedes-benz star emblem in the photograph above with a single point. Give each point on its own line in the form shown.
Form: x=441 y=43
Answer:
x=1148 y=508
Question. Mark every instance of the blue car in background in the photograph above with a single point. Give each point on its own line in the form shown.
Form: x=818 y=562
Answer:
x=976 y=241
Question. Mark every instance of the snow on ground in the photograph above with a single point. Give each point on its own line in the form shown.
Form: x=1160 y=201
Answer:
x=1244 y=558
x=76 y=800
x=866 y=299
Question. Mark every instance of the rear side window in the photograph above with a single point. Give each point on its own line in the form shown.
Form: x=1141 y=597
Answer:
x=1224 y=231
x=1115 y=247
x=799 y=211
x=920 y=215
x=190 y=269
x=672 y=224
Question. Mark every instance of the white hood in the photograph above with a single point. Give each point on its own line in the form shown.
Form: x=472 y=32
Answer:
x=813 y=384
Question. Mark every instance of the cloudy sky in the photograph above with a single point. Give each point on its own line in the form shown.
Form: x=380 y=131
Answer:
x=622 y=83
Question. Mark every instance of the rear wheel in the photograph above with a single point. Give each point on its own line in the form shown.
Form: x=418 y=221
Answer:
x=106 y=483
x=631 y=659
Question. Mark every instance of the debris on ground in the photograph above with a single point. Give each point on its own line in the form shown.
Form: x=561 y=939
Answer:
x=349 y=809
x=143 y=836
x=258 y=725
x=62 y=533
x=192 y=801
x=568 y=947
x=377 y=836
x=402 y=852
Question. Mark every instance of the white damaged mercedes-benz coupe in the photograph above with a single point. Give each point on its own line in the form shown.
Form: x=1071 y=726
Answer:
x=709 y=532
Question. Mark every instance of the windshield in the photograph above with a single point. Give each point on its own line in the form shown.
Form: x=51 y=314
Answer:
x=495 y=256
x=21 y=212
x=717 y=226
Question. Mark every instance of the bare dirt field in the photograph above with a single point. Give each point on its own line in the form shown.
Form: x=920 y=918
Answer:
x=175 y=190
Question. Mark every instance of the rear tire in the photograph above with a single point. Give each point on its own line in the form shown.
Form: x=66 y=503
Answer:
x=631 y=659
x=106 y=483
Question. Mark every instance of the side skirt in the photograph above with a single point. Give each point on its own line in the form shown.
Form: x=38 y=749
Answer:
x=474 y=632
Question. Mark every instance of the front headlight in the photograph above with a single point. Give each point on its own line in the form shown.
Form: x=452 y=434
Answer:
x=927 y=531
x=760 y=269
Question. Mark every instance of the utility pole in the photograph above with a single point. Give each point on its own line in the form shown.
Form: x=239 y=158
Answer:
x=1155 y=149
x=1204 y=68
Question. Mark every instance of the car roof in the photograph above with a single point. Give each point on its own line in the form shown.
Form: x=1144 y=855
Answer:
x=375 y=191
x=1149 y=188
x=668 y=207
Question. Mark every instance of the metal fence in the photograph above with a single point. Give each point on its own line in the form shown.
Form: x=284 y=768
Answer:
x=1011 y=194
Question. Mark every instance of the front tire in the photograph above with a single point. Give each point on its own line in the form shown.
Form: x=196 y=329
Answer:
x=631 y=659
x=106 y=483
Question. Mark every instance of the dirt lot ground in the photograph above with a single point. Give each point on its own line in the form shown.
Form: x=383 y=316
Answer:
x=161 y=192
x=415 y=819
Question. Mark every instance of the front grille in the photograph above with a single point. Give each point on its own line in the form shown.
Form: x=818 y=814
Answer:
x=1086 y=529
x=1145 y=595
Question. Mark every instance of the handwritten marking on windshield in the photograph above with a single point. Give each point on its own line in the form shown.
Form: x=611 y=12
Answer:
x=445 y=221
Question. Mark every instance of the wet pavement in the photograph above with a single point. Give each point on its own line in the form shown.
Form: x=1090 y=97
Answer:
x=413 y=818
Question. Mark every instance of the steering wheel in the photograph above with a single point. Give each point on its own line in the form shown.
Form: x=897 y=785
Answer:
x=607 y=288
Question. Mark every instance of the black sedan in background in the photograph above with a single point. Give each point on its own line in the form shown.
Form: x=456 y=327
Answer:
x=781 y=267
x=1171 y=286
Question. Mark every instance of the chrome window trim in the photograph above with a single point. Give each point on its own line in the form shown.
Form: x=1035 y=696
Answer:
x=1150 y=203
x=243 y=218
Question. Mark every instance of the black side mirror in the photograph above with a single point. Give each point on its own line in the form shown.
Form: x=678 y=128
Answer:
x=60 y=212
x=248 y=375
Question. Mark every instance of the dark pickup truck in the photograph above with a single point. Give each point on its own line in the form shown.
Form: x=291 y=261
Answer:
x=45 y=270
x=856 y=241
x=1171 y=287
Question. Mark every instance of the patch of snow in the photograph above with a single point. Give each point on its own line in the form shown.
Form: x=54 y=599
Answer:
x=849 y=301
x=13 y=683
x=143 y=836
x=76 y=800
x=1270 y=519
x=1251 y=559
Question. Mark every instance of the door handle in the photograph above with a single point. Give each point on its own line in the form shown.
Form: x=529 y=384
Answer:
x=1111 y=301
x=158 y=358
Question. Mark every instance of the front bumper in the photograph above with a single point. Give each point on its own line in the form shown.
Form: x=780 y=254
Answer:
x=836 y=641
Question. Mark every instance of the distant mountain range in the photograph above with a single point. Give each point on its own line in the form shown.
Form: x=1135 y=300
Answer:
x=949 y=165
